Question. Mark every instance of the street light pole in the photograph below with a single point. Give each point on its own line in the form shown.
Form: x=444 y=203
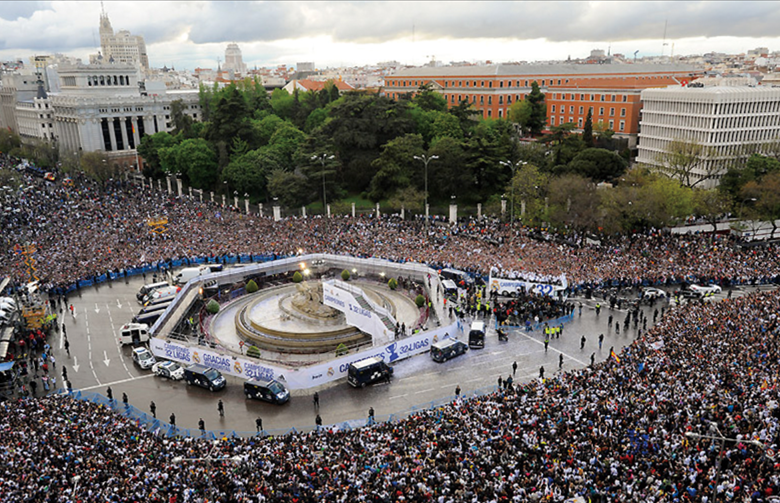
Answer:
x=322 y=158
x=513 y=166
x=426 y=159
x=722 y=440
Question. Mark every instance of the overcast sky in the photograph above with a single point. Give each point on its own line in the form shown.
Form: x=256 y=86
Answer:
x=192 y=34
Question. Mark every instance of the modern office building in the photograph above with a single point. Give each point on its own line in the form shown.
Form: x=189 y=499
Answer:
x=729 y=123
x=611 y=91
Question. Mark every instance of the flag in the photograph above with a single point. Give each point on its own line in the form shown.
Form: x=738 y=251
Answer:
x=641 y=366
x=615 y=356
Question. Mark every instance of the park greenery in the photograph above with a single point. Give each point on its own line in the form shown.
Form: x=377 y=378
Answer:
x=299 y=148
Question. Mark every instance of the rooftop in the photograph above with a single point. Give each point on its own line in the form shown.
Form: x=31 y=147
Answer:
x=556 y=69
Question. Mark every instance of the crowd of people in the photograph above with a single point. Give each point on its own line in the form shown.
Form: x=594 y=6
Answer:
x=626 y=429
x=88 y=229
x=687 y=411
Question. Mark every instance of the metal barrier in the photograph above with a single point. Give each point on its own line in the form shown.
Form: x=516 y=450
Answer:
x=153 y=425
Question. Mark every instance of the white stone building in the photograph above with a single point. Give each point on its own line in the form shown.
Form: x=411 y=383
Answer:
x=103 y=108
x=729 y=122
x=121 y=47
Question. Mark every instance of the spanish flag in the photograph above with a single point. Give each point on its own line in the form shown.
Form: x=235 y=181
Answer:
x=615 y=356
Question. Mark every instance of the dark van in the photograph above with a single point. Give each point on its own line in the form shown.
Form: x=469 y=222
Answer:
x=368 y=371
x=477 y=335
x=205 y=377
x=147 y=318
x=448 y=348
x=269 y=390
x=458 y=276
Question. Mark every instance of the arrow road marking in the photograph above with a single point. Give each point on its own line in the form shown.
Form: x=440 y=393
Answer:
x=97 y=309
x=118 y=304
x=75 y=364
x=106 y=359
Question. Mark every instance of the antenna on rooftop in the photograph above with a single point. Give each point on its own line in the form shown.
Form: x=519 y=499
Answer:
x=663 y=46
x=635 y=55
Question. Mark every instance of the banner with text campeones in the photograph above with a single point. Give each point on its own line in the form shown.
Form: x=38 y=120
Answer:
x=303 y=378
x=364 y=319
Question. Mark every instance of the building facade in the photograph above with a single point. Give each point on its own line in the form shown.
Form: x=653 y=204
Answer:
x=234 y=60
x=121 y=47
x=612 y=92
x=101 y=108
x=15 y=87
x=729 y=123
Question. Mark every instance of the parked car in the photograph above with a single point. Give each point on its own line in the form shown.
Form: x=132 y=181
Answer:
x=706 y=290
x=168 y=370
x=653 y=293
x=144 y=358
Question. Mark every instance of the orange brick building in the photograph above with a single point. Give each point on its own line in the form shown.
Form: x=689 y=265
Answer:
x=612 y=91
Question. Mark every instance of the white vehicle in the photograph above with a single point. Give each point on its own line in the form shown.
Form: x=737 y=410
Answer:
x=7 y=304
x=5 y=316
x=653 y=293
x=706 y=290
x=508 y=287
x=134 y=333
x=161 y=293
x=189 y=273
x=144 y=358
x=169 y=370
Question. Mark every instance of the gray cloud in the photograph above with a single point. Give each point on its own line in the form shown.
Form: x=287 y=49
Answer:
x=42 y=26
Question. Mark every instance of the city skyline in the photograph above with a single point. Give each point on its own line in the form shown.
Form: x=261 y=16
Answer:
x=195 y=34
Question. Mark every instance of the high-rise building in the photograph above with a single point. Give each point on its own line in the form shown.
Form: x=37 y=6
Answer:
x=727 y=122
x=121 y=47
x=233 y=59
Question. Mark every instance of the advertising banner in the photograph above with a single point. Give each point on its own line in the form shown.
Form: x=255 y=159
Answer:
x=303 y=378
x=357 y=316
x=511 y=286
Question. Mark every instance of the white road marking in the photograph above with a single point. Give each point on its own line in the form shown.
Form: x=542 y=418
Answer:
x=398 y=396
x=118 y=382
x=556 y=350
x=424 y=391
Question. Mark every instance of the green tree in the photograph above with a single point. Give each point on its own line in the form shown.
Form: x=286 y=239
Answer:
x=9 y=141
x=428 y=99
x=394 y=166
x=96 y=165
x=467 y=116
x=197 y=161
x=573 y=202
x=538 y=116
x=149 y=149
x=682 y=159
x=491 y=143
x=283 y=103
x=286 y=141
x=182 y=123
x=529 y=185
x=520 y=113
x=408 y=198
x=587 y=131
x=767 y=197
x=449 y=174
x=229 y=119
x=291 y=188
x=712 y=205
x=248 y=173
x=345 y=275
x=598 y=164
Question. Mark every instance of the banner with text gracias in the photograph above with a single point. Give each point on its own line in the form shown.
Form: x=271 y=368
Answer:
x=302 y=378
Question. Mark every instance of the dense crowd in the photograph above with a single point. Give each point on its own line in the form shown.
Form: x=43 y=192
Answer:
x=615 y=431
x=90 y=229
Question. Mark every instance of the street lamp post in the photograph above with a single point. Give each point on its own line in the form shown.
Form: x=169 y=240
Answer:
x=722 y=440
x=322 y=158
x=513 y=166
x=426 y=159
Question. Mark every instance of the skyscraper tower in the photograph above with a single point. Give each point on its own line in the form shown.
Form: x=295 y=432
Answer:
x=233 y=59
x=121 y=47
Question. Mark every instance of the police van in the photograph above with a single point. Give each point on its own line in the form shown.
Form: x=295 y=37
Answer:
x=477 y=335
x=269 y=390
x=368 y=371
x=205 y=377
x=457 y=276
x=446 y=349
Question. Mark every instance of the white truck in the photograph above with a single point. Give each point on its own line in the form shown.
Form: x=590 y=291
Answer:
x=508 y=287
x=189 y=273
x=134 y=333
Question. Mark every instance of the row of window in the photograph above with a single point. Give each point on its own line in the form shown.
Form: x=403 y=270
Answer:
x=580 y=122
x=107 y=80
x=508 y=83
x=582 y=110
x=584 y=97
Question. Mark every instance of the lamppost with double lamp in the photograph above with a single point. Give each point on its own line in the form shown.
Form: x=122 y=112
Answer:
x=322 y=158
x=426 y=159
x=720 y=438
x=513 y=166
x=210 y=457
